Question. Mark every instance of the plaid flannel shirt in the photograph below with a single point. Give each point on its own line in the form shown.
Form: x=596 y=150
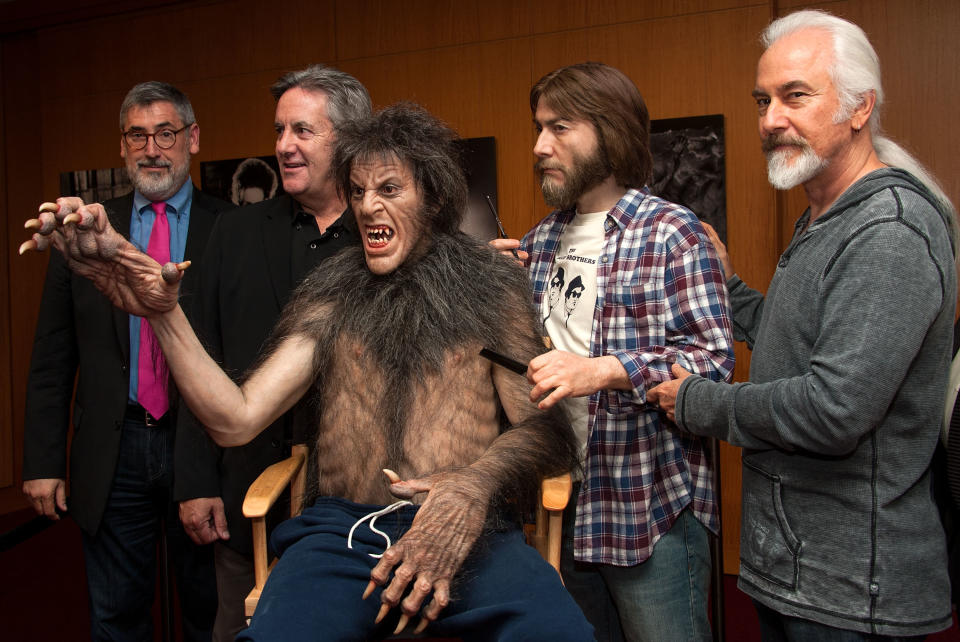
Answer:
x=661 y=299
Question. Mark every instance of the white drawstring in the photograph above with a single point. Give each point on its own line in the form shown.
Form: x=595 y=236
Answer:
x=373 y=518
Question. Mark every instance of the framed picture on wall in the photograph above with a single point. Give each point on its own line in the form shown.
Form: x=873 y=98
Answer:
x=95 y=185
x=242 y=180
x=689 y=166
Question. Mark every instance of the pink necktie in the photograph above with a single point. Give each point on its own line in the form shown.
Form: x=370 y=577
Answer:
x=152 y=368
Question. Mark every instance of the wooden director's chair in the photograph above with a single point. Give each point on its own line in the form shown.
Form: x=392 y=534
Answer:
x=267 y=488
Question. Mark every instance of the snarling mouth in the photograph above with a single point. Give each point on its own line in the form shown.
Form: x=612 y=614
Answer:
x=379 y=235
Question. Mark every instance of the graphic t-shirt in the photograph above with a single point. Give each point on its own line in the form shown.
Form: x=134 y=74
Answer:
x=567 y=310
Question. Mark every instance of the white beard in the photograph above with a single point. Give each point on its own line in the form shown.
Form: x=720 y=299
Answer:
x=784 y=174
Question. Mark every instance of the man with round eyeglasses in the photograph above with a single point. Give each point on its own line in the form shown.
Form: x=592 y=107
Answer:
x=124 y=406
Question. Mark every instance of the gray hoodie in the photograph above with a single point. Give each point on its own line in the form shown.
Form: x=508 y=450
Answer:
x=851 y=351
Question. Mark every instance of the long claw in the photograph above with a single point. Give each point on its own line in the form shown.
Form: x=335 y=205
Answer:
x=49 y=207
x=392 y=476
x=402 y=624
x=72 y=218
x=367 y=591
x=384 y=609
x=33 y=224
x=421 y=626
x=27 y=245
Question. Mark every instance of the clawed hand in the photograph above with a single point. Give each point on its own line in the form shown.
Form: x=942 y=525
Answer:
x=432 y=551
x=129 y=278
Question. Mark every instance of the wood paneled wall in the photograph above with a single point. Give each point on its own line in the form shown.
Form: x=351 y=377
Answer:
x=471 y=62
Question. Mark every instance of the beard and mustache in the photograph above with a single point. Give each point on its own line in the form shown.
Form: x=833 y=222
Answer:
x=784 y=174
x=161 y=185
x=584 y=173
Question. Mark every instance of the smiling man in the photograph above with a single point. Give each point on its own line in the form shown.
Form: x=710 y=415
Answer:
x=841 y=539
x=385 y=343
x=256 y=257
x=123 y=445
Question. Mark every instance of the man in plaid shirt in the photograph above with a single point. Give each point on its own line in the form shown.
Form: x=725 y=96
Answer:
x=628 y=284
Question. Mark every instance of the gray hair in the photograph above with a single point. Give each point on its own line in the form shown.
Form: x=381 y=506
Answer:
x=855 y=71
x=347 y=98
x=147 y=93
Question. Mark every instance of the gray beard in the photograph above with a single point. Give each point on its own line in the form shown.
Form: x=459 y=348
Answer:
x=157 y=188
x=783 y=175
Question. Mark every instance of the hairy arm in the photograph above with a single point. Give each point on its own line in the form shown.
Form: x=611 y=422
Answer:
x=232 y=414
x=137 y=284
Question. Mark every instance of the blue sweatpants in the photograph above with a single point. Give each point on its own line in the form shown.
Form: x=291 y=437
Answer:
x=504 y=591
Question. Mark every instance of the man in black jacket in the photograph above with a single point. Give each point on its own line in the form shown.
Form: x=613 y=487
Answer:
x=255 y=258
x=121 y=468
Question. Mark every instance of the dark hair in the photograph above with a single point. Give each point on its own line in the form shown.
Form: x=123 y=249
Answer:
x=410 y=134
x=604 y=96
x=152 y=91
x=347 y=98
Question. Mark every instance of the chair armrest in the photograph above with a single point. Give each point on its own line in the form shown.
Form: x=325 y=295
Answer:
x=556 y=491
x=263 y=494
x=554 y=496
x=265 y=490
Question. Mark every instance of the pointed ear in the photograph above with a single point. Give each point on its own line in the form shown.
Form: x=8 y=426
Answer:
x=861 y=115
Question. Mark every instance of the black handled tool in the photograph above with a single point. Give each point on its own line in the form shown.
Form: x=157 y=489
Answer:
x=506 y=362
x=503 y=233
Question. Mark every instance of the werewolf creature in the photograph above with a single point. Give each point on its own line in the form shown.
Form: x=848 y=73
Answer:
x=383 y=342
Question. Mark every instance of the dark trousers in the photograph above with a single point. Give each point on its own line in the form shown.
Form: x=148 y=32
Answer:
x=235 y=578
x=777 y=627
x=121 y=558
x=504 y=591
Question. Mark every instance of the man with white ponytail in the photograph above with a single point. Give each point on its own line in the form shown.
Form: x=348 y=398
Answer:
x=851 y=348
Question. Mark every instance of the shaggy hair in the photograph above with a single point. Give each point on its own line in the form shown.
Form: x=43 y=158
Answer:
x=604 y=96
x=409 y=134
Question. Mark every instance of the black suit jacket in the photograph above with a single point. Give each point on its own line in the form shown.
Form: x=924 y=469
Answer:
x=245 y=283
x=81 y=335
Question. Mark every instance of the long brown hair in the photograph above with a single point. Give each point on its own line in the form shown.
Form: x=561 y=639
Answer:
x=604 y=96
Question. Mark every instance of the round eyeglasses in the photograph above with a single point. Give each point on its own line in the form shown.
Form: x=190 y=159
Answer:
x=164 y=139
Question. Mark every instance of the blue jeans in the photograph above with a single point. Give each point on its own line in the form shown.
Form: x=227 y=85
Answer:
x=504 y=591
x=121 y=558
x=777 y=627
x=662 y=599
